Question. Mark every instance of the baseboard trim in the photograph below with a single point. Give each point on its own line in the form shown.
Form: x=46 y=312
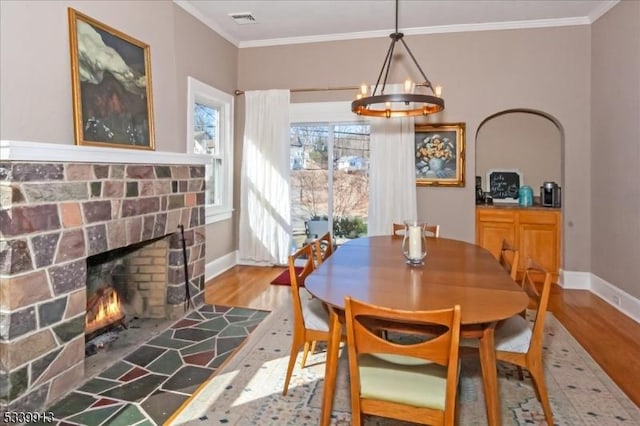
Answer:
x=616 y=297
x=219 y=265
x=619 y=299
x=575 y=280
x=251 y=262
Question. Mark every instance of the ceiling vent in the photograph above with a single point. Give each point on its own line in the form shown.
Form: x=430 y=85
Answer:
x=243 y=18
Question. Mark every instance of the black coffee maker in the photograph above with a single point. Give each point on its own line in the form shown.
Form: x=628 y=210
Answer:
x=550 y=194
x=480 y=198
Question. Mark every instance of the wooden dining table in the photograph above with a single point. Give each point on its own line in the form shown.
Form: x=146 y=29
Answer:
x=374 y=270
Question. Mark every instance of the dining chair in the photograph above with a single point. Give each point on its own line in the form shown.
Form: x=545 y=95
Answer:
x=310 y=315
x=509 y=258
x=323 y=247
x=416 y=381
x=432 y=230
x=519 y=343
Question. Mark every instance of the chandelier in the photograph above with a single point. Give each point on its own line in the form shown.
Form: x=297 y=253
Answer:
x=404 y=104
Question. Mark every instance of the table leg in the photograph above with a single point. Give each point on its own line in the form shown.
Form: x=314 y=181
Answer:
x=490 y=375
x=331 y=368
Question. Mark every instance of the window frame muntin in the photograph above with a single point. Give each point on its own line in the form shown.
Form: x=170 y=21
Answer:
x=204 y=94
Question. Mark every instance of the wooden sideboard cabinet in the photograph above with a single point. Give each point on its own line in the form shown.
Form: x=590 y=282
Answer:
x=535 y=231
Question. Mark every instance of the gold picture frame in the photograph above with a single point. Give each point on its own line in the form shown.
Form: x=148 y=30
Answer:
x=439 y=154
x=111 y=85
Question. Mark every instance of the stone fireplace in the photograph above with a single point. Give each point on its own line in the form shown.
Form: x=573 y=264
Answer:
x=126 y=283
x=56 y=214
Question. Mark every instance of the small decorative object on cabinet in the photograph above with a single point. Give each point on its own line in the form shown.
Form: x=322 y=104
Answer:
x=525 y=196
x=535 y=232
x=550 y=194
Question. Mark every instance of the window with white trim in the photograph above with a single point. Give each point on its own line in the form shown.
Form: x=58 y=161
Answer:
x=210 y=132
x=329 y=180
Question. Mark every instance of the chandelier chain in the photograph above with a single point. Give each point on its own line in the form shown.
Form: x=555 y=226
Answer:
x=426 y=80
x=404 y=103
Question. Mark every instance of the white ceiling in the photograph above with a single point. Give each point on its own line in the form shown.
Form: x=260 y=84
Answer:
x=303 y=21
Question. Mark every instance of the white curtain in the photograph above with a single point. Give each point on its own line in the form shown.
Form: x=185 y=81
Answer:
x=392 y=178
x=265 y=222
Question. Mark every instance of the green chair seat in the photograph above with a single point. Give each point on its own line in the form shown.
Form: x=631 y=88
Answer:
x=406 y=380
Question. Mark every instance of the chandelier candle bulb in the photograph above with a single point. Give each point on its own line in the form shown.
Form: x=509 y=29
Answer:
x=439 y=91
x=363 y=89
x=408 y=86
x=372 y=105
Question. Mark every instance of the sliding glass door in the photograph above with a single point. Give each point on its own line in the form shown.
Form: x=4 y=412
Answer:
x=329 y=180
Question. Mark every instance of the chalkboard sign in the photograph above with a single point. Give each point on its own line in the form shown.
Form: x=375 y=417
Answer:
x=503 y=185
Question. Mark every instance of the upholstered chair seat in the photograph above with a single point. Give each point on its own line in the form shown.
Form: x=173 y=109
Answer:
x=310 y=315
x=314 y=312
x=415 y=382
x=519 y=342
x=407 y=380
x=511 y=335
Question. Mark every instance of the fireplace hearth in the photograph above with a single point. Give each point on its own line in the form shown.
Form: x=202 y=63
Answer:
x=54 y=216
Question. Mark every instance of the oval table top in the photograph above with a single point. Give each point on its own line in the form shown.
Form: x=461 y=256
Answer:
x=373 y=270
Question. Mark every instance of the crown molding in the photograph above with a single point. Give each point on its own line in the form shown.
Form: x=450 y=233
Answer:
x=603 y=8
x=189 y=8
x=490 y=26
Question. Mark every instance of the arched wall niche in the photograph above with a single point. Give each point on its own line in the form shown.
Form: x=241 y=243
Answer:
x=528 y=140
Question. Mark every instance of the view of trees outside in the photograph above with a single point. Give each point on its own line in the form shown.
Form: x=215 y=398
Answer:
x=205 y=129
x=313 y=149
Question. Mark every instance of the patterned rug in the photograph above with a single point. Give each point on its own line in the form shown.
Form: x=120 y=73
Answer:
x=248 y=389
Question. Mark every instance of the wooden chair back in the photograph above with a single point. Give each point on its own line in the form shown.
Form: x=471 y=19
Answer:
x=539 y=299
x=532 y=358
x=323 y=248
x=317 y=312
x=509 y=258
x=441 y=349
x=297 y=277
x=431 y=230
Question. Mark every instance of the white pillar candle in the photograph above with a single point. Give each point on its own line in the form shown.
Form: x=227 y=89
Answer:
x=415 y=242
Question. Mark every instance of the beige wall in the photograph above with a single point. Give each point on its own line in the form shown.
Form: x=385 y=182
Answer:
x=482 y=73
x=548 y=70
x=204 y=55
x=615 y=124
x=35 y=80
x=524 y=141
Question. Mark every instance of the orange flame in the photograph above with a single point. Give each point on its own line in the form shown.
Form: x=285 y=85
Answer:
x=108 y=311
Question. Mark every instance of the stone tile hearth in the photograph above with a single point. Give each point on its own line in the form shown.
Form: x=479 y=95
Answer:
x=52 y=217
x=149 y=384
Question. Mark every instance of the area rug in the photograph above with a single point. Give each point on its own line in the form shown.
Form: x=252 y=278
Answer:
x=248 y=390
x=284 y=278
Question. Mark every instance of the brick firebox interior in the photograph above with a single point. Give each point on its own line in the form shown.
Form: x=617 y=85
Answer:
x=53 y=216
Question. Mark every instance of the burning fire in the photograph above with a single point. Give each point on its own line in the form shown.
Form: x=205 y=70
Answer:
x=108 y=310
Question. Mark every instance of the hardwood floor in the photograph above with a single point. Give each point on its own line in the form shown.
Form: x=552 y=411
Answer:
x=611 y=338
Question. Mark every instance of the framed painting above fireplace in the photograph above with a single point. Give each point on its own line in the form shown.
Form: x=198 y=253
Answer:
x=111 y=83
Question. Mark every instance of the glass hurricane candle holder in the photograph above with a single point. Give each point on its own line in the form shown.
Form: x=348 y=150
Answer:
x=414 y=243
